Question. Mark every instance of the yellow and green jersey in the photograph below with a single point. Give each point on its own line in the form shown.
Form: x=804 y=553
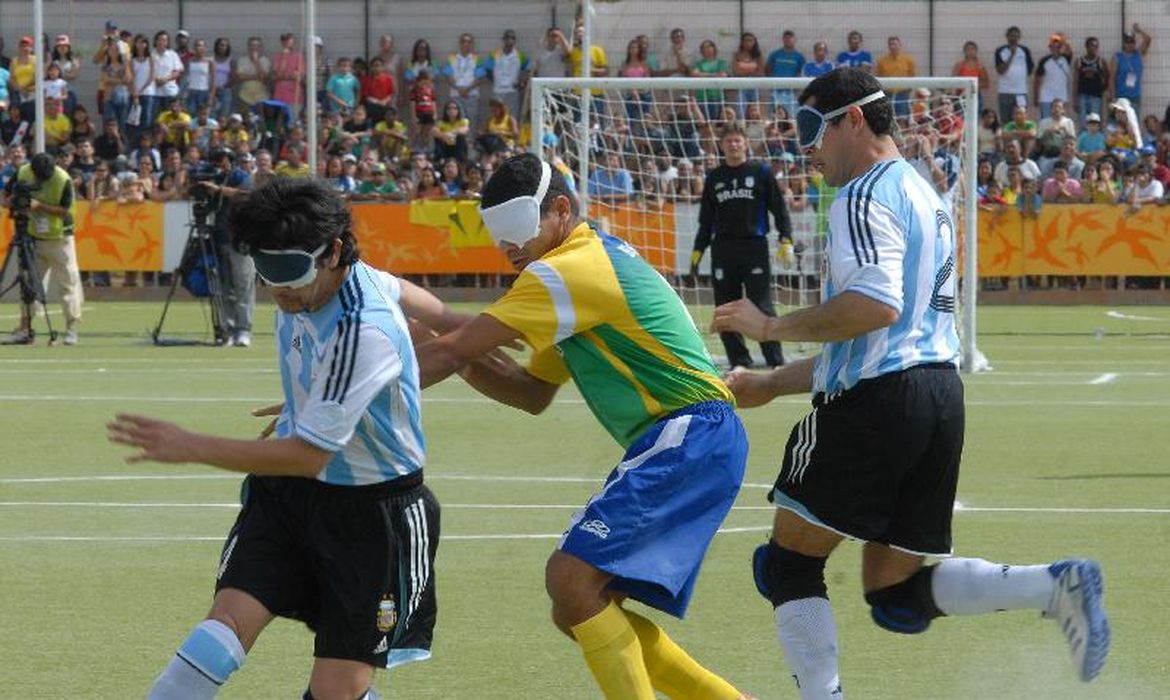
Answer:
x=593 y=310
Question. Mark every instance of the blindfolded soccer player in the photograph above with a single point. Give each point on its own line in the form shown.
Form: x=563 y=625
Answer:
x=877 y=459
x=337 y=528
x=596 y=312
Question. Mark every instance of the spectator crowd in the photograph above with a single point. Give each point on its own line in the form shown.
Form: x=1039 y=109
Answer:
x=1065 y=127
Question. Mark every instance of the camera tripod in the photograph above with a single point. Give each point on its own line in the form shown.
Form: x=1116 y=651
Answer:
x=27 y=277
x=198 y=271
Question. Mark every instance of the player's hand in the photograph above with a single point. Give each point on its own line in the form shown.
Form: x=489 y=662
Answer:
x=273 y=410
x=751 y=389
x=786 y=254
x=740 y=316
x=159 y=441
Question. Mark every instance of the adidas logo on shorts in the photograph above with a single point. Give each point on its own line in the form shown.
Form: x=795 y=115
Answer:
x=382 y=646
x=596 y=527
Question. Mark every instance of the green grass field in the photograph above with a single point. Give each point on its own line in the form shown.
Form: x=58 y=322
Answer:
x=104 y=567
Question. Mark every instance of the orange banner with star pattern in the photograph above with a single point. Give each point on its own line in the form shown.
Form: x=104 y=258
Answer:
x=1075 y=239
x=446 y=236
x=112 y=236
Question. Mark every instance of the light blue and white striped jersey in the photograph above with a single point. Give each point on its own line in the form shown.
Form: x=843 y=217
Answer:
x=890 y=238
x=350 y=381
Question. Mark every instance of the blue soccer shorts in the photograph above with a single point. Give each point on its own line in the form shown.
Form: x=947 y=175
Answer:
x=651 y=524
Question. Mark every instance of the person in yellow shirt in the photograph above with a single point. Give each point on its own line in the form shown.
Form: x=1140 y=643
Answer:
x=58 y=128
x=390 y=135
x=897 y=64
x=294 y=165
x=174 y=126
x=23 y=74
x=235 y=133
x=598 y=68
x=451 y=133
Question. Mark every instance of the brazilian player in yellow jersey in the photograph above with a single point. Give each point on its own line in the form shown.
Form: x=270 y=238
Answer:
x=595 y=312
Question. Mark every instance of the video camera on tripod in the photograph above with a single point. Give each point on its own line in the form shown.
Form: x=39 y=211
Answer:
x=22 y=249
x=19 y=204
x=199 y=268
x=202 y=195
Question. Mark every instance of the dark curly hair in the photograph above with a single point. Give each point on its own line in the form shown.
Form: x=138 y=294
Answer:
x=519 y=176
x=289 y=213
x=842 y=86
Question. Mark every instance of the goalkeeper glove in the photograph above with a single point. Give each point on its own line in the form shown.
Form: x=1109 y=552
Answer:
x=785 y=253
x=696 y=256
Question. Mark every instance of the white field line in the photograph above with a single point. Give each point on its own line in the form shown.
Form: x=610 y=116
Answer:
x=144 y=370
x=215 y=356
x=1104 y=378
x=1132 y=317
x=203 y=538
x=224 y=477
x=982 y=378
x=40 y=314
x=959 y=507
x=1153 y=363
x=989 y=379
x=1083 y=373
x=1102 y=346
x=218 y=356
x=571 y=402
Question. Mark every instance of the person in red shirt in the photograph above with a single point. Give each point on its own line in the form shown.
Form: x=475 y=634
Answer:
x=422 y=95
x=377 y=89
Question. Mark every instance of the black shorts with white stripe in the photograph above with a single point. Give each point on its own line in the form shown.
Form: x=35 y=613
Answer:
x=354 y=563
x=880 y=462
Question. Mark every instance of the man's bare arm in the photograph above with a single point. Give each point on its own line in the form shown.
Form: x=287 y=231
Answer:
x=844 y=317
x=160 y=441
x=753 y=389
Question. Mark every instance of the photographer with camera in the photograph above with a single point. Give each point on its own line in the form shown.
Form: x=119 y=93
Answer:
x=40 y=199
x=237 y=273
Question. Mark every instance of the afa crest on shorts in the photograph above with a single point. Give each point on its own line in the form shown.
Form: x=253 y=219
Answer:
x=387 y=614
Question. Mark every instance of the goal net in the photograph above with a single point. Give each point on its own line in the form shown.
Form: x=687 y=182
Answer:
x=639 y=149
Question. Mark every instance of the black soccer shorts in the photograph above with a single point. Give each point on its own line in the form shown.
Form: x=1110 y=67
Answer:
x=355 y=563
x=880 y=462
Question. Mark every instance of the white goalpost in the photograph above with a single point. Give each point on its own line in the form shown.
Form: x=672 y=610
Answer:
x=663 y=133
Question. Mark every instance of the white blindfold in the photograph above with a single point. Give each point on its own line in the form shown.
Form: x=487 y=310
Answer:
x=517 y=220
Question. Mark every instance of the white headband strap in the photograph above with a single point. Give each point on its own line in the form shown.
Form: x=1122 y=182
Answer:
x=545 y=176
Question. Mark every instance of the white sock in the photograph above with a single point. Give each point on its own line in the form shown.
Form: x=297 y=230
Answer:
x=974 y=586
x=202 y=664
x=808 y=635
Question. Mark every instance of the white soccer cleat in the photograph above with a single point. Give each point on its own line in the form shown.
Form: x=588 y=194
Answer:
x=1078 y=608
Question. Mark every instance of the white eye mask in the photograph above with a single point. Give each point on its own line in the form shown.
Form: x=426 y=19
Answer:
x=517 y=220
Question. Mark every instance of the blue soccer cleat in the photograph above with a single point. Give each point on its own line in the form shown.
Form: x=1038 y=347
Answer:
x=1078 y=608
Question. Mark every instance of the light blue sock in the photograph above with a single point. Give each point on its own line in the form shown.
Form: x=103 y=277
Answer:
x=202 y=664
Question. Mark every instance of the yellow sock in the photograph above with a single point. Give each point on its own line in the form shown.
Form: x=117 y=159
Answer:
x=672 y=670
x=614 y=656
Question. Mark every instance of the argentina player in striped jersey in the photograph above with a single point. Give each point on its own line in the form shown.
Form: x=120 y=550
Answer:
x=877 y=459
x=337 y=528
